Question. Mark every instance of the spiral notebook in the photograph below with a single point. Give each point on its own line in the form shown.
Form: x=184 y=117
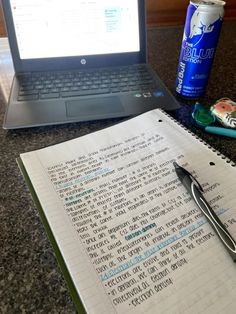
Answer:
x=127 y=235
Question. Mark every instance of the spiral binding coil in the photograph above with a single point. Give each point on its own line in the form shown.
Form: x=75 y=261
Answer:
x=218 y=153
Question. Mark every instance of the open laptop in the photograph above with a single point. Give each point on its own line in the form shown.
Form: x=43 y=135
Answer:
x=79 y=60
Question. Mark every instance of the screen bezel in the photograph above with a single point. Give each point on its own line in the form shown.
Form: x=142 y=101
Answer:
x=75 y=62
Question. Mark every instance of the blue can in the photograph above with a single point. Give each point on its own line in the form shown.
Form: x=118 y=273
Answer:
x=201 y=32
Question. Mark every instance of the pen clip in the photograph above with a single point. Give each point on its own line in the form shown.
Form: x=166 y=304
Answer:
x=195 y=182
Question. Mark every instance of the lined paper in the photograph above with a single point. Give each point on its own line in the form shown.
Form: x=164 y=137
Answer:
x=131 y=237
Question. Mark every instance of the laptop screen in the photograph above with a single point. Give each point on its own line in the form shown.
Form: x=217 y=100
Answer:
x=58 y=28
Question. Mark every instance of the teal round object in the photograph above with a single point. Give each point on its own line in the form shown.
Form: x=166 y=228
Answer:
x=202 y=116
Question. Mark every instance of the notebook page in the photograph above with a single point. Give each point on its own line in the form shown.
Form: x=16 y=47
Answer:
x=132 y=238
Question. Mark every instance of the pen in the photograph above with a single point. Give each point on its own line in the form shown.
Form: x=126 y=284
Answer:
x=221 y=131
x=195 y=190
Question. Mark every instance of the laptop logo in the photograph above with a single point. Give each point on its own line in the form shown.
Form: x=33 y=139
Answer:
x=83 y=61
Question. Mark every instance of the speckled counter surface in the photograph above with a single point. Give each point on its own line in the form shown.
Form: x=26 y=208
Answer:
x=30 y=279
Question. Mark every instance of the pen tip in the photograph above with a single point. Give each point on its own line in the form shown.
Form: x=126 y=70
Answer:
x=175 y=165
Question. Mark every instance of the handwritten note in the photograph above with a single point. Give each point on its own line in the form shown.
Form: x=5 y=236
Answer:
x=132 y=238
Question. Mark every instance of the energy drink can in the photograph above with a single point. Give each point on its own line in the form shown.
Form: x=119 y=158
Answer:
x=201 y=32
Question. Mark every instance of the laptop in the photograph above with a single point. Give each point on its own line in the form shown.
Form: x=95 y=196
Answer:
x=79 y=60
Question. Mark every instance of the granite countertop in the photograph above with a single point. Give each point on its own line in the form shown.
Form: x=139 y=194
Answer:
x=30 y=279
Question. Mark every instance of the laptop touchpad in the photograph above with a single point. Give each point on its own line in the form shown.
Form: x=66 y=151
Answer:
x=93 y=106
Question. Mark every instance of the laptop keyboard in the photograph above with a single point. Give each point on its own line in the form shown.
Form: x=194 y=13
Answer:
x=81 y=83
